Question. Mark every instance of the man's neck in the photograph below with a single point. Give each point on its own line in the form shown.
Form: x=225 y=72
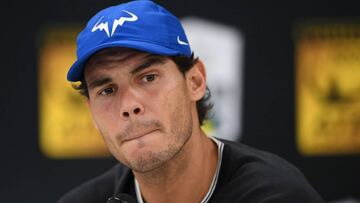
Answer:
x=186 y=178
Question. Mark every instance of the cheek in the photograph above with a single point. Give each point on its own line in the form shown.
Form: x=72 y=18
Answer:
x=173 y=103
x=106 y=126
x=103 y=116
x=105 y=108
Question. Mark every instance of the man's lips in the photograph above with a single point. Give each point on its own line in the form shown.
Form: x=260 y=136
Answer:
x=138 y=135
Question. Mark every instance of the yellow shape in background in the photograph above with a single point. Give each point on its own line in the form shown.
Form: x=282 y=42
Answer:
x=208 y=127
x=66 y=128
x=328 y=89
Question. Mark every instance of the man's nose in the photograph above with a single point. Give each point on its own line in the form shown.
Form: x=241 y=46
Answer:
x=131 y=105
x=131 y=111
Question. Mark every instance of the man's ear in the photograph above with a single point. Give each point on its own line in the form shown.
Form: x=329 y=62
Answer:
x=196 y=81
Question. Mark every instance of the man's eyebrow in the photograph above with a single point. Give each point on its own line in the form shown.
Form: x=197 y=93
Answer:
x=98 y=82
x=150 y=60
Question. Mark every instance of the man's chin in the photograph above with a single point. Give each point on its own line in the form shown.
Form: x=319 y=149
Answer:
x=145 y=162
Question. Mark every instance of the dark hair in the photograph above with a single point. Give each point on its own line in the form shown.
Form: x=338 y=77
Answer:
x=184 y=64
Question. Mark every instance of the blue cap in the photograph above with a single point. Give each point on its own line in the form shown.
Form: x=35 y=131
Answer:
x=141 y=25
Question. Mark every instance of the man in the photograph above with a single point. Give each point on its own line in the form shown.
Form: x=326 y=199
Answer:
x=148 y=98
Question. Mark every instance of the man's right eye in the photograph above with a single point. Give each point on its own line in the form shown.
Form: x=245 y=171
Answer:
x=107 y=91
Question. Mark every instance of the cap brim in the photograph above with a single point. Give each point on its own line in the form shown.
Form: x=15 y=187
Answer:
x=76 y=70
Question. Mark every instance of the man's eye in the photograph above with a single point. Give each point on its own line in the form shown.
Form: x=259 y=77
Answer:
x=149 y=78
x=107 y=91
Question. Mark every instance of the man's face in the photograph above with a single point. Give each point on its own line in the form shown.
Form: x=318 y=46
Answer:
x=142 y=107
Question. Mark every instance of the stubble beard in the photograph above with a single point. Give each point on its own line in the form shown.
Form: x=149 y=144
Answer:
x=179 y=135
x=152 y=160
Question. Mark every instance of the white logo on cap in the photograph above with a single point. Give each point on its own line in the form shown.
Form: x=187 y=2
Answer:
x=117 y=22
x=181 y=42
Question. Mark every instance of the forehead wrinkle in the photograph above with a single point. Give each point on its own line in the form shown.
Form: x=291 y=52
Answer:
x=109 y=58
x=146 y=62
x=106 y=60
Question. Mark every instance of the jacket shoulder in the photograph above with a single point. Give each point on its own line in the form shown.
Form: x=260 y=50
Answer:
x=251 y=175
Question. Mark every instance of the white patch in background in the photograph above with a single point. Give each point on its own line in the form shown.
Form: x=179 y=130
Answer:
x=221 y=48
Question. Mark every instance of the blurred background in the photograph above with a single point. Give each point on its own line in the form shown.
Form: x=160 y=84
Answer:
x=285 y=78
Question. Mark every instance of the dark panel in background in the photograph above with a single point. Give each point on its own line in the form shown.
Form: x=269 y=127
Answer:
x=269 y=116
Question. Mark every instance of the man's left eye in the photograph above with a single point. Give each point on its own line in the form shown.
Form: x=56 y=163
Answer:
x=149 y=78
